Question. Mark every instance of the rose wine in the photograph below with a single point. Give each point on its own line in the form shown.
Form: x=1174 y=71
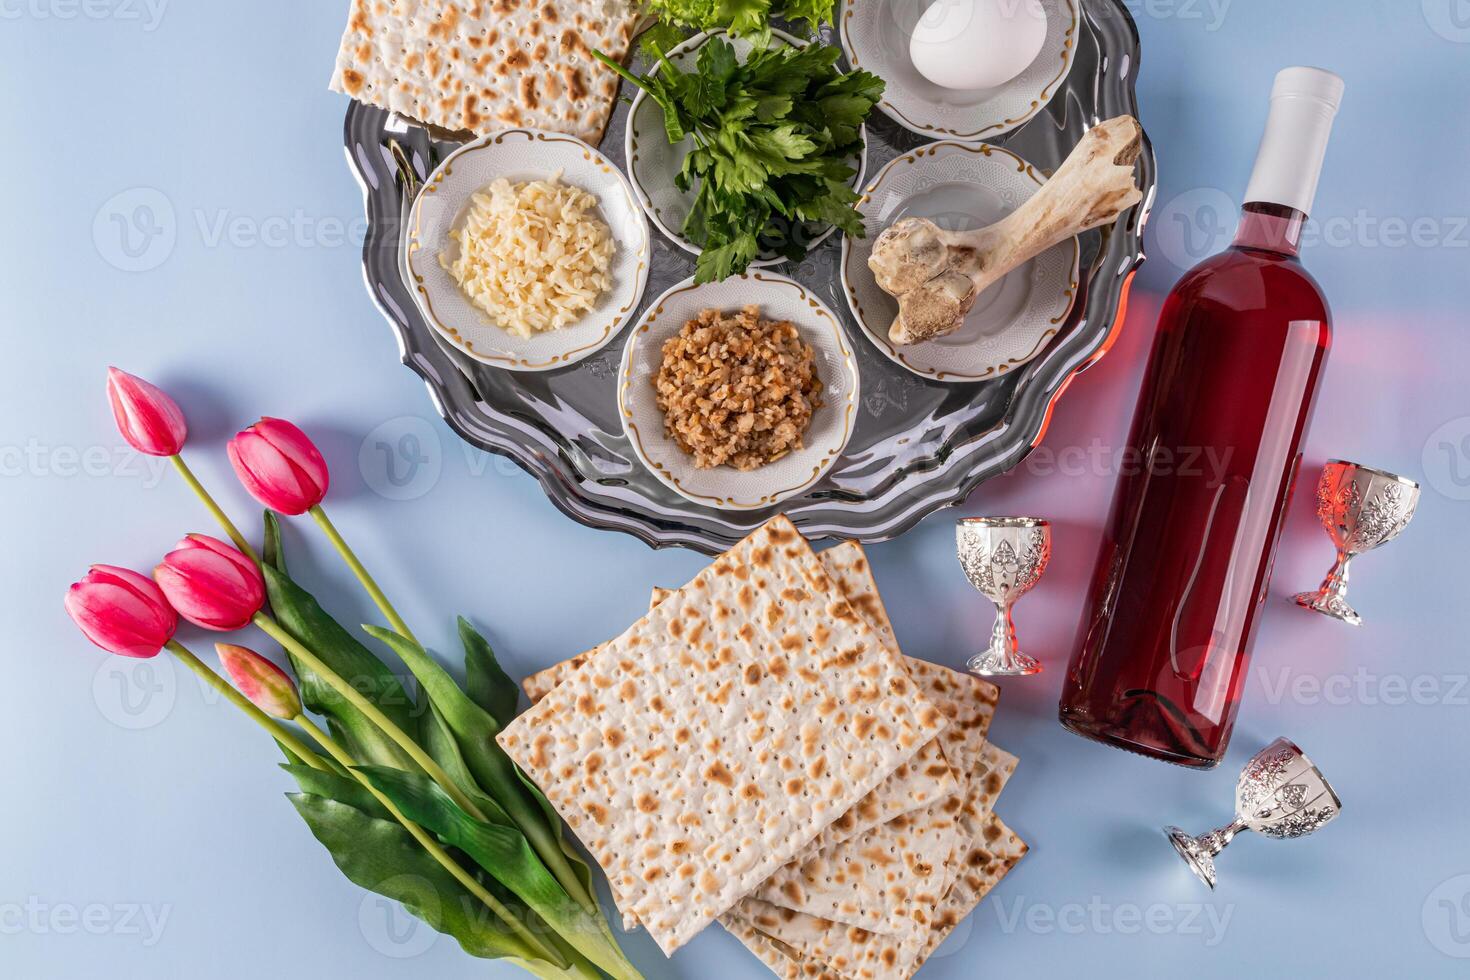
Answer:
x=1215 y=448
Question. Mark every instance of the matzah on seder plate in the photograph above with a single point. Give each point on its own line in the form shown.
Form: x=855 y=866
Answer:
x=484 y=65
x=715 y=739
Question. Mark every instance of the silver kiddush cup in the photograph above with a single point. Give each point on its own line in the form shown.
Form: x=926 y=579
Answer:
x=1280 y=794
x=1361 y=508
x=1003 y=557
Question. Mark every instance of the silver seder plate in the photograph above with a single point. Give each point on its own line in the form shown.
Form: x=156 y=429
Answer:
x=918 y=445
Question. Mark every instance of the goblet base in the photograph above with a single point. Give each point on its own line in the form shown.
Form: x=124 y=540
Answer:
x=1194 y=854
x=1013 y=664
x=1329 y=605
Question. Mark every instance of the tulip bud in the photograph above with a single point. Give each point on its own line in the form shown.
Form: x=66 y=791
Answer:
x=148 y=419
x=210 y=583
x=121 y=611
x=280 y=466
x=267 y=686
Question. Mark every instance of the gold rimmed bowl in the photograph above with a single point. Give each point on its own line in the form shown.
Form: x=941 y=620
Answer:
x=521 y=155
x=724 y=487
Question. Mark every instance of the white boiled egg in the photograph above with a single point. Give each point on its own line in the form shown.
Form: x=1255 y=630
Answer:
x=977 y=44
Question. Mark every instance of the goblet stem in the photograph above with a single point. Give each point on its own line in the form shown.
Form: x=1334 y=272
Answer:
x=1331 y=598
x=1199 y=852
x=1003 y=657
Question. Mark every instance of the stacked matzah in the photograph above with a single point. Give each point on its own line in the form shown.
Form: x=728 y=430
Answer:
x=483 y=65
x=877 y=885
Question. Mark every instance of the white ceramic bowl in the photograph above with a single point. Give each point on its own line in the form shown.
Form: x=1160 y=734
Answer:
x=725 y=487
x=962 y=186
x=875 y=36
x=519 y=155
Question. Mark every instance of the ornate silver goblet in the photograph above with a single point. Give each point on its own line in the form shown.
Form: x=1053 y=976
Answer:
x=1003 y=557
x=1280 y=794
x=1361 y=508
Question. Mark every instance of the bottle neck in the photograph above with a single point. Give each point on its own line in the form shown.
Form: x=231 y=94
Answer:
x=1274 y=228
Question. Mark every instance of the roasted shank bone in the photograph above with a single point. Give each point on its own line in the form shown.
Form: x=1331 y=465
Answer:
x=936 y=275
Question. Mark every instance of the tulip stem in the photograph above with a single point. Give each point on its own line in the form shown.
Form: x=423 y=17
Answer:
x=338 y=542
x=429 y=844
x=278 y=731
x=214 y=508
x=356 y=698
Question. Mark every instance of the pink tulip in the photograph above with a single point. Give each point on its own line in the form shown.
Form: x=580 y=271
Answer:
x=121 y=611
x=280 y=466
x=148 y=419
x=210 y=583
x=267 y=686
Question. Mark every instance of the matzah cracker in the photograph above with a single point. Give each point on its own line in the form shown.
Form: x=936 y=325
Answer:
x=991 y=856
x=712 y=742
x=781 y=959
x=921 y=780
x=483 y=65
x=889 y=879
x=862 y=954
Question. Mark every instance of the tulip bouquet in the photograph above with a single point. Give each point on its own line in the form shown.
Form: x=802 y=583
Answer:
x=412 y=796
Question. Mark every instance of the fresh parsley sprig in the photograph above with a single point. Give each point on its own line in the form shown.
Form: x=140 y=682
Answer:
x=741 y=16
x=773 y=137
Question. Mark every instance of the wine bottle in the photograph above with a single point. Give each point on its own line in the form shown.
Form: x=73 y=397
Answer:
x=1214 y=451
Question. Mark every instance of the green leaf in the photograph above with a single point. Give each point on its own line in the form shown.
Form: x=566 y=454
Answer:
x=814 y=12
x=487 y=683
x=381 y=856
x=271 y=552
x=505 y=853
x=474 y=732
x=301 y=616
x=343 y=789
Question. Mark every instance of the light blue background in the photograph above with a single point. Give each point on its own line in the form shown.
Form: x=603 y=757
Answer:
x=129 y=793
